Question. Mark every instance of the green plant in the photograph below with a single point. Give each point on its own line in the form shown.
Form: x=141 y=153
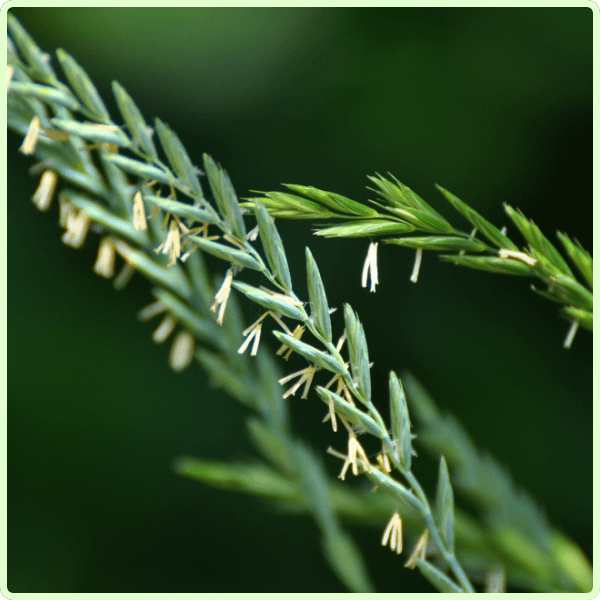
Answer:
x=531 y=554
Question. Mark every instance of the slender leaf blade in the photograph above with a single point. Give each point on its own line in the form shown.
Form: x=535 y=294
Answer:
x=366 y=229
x=438 y=580
x=333 y=201
x=490 y=231
x=142 y=169
x=83 y=87
x=581 y=258
x=186 y=211
x=227 y=253
x=225 y=196
x=134 y=120
x=441 y=243
x=45 y=93
x=95 y=133
x=273 y=302
x=318 y=358
x=492 y=264
x=445 y=506
x=317 y=296
x=273 y=246
x=39 y=60
x=400 y=421
x=353 y=414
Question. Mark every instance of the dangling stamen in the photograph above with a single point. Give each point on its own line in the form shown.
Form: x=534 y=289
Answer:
x=415 y=274
x=571 y=334
x=139 y=213
x=105 y=263
x=77 y=228
x=253 y=332
x=31 y=138
x=151 y=311
x=371 y=267
x=182 y=351
x=165 y=329
x=306 y=377
x=222 y=295
x=420 y=551
x=45 y=191
x=394 y=528
x=124 y=276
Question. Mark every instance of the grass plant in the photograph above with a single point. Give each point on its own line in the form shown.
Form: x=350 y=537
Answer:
x=158 y=215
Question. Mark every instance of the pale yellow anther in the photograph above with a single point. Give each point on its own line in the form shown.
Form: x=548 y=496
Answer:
x=182 y=351
x=355 y=451
x=233 y=241
x=331 y=414
x=9 y=75
x=164 y=330
x=77 y=228
x=252 y=235
x=139 y=213
x=151 y=311
x=186 y=255
x=45 y=191
x=522 y=256
x=305 y=377
x=283 y=325
x=105 y=263
x=393 y=533
x=341 y=341
x=420 y=551
x=417 y=267
x=284 y=350
x=383 y=461
x=124 y=276
x=31 y=138
x=283 y=297
x=571 y=334
x=221 y=296
x=172 y=244
x=65 y=209
x=370 y=266
x=253 y=333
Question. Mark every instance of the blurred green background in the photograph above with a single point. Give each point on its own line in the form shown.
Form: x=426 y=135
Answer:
x=493 y=104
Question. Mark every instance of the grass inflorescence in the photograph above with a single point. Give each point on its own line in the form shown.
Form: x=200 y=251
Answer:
x=154 y=218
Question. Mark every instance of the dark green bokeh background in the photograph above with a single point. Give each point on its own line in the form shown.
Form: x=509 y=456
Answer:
x=493 y=104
